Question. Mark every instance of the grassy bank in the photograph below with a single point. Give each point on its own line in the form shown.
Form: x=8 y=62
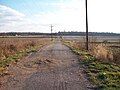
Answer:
x=106 y=76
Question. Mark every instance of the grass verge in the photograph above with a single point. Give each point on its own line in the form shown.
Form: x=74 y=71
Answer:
x=15 y=58
x=106 y=76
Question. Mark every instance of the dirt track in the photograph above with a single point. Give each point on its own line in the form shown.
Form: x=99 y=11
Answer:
x=54 y=67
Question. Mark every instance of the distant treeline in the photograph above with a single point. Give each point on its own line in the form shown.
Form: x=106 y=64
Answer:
x=90 y=34
x=59 y=34
x=22 y=34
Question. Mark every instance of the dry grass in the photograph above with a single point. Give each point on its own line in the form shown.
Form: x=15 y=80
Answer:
x=105 y=53
x=101 y=71
x=102 y=51
x=116 y=55
x=10 y=46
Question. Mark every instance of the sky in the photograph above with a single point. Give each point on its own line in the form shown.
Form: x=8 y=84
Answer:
x=64 y=15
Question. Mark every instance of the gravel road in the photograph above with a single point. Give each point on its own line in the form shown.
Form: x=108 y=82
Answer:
x=54 y=67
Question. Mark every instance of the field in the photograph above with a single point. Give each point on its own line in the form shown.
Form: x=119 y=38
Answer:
x=101 y=61
x=104 y=48
x=12 y=49
x=52 y=67
x=94 y=38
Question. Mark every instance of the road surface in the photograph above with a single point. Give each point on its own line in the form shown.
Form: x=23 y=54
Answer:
x=54 y=67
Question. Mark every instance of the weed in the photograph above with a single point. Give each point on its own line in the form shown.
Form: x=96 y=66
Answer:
x=105 y=75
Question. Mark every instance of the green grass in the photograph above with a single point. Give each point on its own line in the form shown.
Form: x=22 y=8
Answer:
x=15 y=57
x=106 y=76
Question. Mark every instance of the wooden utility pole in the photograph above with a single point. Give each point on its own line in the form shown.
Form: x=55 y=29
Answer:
x=51 y=32
x=87 y=47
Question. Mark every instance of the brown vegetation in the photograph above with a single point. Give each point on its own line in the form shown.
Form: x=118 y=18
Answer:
x=105 y=52
x=101 y=63
x=10 y=46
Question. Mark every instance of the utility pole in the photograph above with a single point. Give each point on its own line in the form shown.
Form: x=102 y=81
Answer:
x=51 y=32
x=87 y=47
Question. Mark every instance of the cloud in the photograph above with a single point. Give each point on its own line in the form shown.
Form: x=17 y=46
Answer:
x=71 y=12
x=9 y=18
x=9 y=15
x=69 y=15
x=66 y=17
x=14 y=21
x=104 y=15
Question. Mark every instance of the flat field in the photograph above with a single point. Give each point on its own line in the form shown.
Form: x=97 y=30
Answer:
x=94 y=38
x=25 y=60
x=107 y=46
x=12 y=48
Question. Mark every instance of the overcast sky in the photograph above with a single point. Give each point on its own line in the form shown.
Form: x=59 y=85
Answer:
x=64 y=15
